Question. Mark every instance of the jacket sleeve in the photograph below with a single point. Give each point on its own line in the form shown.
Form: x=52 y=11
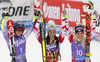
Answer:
x=36 y=30
x=30 y=30
x=68 y=31
x=62 y=30
x=4 y=30
x=93 y=28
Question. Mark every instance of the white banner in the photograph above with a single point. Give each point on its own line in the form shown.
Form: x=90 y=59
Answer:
x=21 y=10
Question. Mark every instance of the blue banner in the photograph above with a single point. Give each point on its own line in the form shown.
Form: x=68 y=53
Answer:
x=28 y=24
x=99 y=37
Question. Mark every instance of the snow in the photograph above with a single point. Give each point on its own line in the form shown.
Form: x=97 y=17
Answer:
x=34 y=53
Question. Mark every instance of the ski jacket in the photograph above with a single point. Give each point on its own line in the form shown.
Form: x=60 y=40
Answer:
x=50 y=47
x=19 y=42
x=78 y=52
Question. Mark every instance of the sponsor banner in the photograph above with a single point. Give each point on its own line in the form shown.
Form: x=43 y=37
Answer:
x=76 y=12
x=26 y=23
x=52 y=11
x=21 y=10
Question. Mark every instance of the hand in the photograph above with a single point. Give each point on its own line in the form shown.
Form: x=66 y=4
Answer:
x=64 y=13
x=88 y=60
x=40 y=16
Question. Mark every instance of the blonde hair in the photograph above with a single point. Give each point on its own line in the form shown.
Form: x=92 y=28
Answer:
x=82 y=40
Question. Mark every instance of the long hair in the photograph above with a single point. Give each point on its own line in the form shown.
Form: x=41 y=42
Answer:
x=55 y=38
x=82 y=40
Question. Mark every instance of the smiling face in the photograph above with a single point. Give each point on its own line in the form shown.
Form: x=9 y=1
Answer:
x=80 y=35
x=52 y=33
x=18 y=32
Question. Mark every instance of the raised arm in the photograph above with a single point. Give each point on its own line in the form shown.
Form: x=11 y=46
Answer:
x=68 y=31
x=62 y=30
x=4 y=30
x=93 y=28
x=30 y=30
x=65 y=24
x=36 y=30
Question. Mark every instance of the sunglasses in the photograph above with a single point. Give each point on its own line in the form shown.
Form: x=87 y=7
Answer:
x=19 y=29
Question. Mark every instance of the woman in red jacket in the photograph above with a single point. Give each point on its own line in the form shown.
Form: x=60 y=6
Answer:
x=53 y=41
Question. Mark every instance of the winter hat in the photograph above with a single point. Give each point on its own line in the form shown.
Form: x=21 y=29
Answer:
x=19 y=26
x=79 y=29
x=51 y=26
